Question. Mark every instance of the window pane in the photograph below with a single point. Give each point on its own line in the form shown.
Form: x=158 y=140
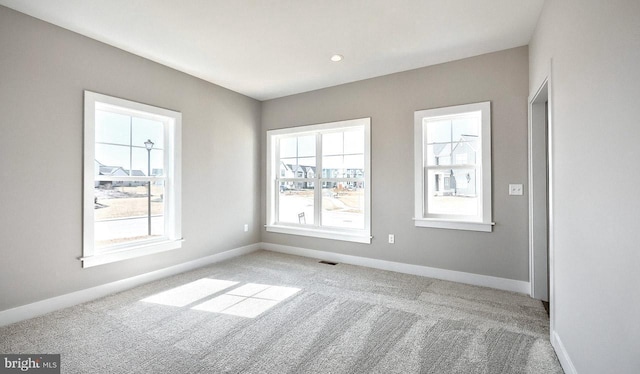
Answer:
x=298 y=167
x=307 y=161
x=112 y=128
x=466 y=150
x=438 y=154
x=333 y=143
x=288 y=147
x=287 y=167
x=285 y=170
x=300 y=146
x=296 y=200
x=466 y=125
x=333 y=167
x=353 y=163
x=113 y=159
x=351 y=166
x=141 y=158
x=297 y=157
x=144 y=129
x=453 y=142
x=122 y=213
x=307 y=146
x=452 y=191
x=438 y=131
x=343 y=204
x=354 y=141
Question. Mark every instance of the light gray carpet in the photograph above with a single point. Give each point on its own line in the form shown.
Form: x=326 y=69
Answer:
x=343 y=319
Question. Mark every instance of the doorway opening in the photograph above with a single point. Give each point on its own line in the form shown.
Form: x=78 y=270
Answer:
x=540 y=197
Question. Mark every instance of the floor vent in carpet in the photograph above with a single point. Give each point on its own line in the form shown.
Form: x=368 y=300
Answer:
x=328 y=263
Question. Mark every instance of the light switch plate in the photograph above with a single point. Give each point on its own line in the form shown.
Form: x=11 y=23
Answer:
x=515 y=189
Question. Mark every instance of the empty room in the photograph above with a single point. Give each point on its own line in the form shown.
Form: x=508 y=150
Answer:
x=355 y=186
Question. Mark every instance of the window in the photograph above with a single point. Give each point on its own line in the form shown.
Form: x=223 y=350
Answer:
x=453 y=167
x=131 y=179
x=318 y=180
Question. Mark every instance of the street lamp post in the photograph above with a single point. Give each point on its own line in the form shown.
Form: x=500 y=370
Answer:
x=149 y=145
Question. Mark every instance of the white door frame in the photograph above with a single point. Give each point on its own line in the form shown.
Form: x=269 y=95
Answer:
x=541 y=209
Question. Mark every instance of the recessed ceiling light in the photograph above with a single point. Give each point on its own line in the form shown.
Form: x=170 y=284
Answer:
x=336 y=58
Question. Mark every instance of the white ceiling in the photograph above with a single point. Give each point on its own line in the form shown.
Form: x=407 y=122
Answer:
x=272 y=48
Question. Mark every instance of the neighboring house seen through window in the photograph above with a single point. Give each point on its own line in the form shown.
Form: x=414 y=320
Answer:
x=453 y=167
x=131 y=179
x=318 y=180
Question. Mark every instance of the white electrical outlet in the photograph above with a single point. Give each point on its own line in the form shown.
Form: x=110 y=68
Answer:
x=515 y=189
x=392 y=239
x=246 y=227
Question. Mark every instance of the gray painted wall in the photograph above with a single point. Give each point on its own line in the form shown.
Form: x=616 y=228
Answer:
x=390 y=101
x=595 y=47
x=43 y=72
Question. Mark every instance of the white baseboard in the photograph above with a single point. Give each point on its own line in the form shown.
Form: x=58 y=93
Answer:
x=562 y=354
x=64 y=301
x=425 y=271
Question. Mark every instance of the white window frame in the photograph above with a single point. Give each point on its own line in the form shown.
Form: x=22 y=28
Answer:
x=317 y=230
x=172 y=238
x=483 y=220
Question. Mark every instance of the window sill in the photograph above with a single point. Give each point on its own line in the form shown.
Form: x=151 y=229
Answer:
x=129 y=253
x=356 y=237
x=454 y=225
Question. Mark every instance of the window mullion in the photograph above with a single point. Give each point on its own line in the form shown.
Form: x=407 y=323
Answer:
x=130 y=145
x=167 y=170
x=317 y=187
x=276 y=181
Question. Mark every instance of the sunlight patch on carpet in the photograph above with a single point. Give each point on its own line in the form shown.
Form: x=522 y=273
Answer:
x=249 y=300
x=190 y=292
